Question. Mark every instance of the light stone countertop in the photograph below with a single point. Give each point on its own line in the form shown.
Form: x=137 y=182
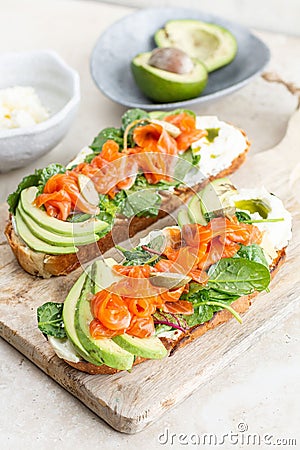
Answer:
x=262 y=387
x=271 y=15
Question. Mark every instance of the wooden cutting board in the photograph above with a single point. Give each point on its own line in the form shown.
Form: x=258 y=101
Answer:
x=131 y=401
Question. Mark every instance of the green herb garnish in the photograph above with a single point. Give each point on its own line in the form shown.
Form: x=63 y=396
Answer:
x=50 y=320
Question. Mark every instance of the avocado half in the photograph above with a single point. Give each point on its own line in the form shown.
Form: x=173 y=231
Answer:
x=163 y=86
x=212 y=44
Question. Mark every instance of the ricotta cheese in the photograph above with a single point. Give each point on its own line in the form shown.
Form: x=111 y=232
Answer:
x=80 y=157
x=20 y=107
x=218 y=154
x=279 y=233
x=171 y=334
x=64 y=349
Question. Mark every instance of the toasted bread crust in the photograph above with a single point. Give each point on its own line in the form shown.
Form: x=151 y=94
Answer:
x=241 y=305
x=43 y=265
x=90 y=368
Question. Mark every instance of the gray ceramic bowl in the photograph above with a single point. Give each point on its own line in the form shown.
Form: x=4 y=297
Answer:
x=133 y=34
x=58 y=87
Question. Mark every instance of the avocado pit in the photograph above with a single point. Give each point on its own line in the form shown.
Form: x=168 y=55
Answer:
x=172 y=60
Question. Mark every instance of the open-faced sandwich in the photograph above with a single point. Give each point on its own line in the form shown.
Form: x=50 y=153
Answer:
x=179 y=282
x=129 y=177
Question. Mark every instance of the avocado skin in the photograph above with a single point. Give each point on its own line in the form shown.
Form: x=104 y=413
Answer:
x=163 y=90
x=69 y=318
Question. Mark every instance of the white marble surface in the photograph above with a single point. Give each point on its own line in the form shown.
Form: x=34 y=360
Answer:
x=262 y=387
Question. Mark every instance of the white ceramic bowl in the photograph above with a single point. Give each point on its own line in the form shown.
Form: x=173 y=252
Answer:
x=58 y=88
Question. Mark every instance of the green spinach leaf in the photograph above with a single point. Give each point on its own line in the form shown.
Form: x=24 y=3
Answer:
x=215 y=295
x=210 y=307
x=50 y=320
x=242 y=216
x=252 y=252
x=229 y=279
x=194 y=287
x=131 y=115
x=238 y=276
x=206 y=302
x=107 y=134
x=39 y=179
x=142 y=183
x=137 y=256
x=202 y=313
x=142 y=203
x=110 y=207
x=141 y=199
x=13 y=198
x=48 y=172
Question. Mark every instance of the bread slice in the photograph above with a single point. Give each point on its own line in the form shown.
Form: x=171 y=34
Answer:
x=241 y=305
x=44 y=265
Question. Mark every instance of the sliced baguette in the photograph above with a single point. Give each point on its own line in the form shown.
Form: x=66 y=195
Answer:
x=241 y=305
x=44 y=265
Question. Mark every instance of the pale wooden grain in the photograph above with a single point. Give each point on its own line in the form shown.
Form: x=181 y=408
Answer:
x=130 y=401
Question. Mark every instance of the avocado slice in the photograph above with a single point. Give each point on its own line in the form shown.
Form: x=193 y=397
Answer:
x=104 y=275
x=145 y=347
x=52 y=238
x=151 y=347
x=90 y=226
x=164 y=86
x=183 y=218
x=212 y=44
x=216 y=198
x=37 y=244
x=103 y=351
x=68 y=315
x=195 y=212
